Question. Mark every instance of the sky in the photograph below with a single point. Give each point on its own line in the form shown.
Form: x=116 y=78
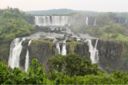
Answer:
x=87 y=5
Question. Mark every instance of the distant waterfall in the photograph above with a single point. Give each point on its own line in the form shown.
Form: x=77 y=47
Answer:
x=64 y=51
x=126 y=21
x=58 y=47
x=27 y=57
x=94 y=24
x=51 y=20
x=93 y=51
x=15 y=51
x=86 y=21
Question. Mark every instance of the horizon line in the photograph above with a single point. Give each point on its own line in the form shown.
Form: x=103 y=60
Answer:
x=65 y=9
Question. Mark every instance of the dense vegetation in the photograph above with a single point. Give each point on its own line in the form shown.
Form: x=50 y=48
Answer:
x=70 y=69
x=14 y=23
x=112 y=26
x=20 y=24
x=52 y=12
x=112 y=31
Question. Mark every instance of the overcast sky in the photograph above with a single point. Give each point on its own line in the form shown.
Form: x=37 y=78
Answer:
x=90 y=5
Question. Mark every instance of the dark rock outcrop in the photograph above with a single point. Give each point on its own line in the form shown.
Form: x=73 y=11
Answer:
x=42 y=50
x=113 y=55
x=110 y=55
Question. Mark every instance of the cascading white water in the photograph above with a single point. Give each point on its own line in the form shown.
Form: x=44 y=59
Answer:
x=51 y=20
x=126 y=21
x=86 y=21
x=94 y=24
x=27 y=61
x=58 y=47
x=27 y=58
x=96 y=52
x=93 y=51
x=15 y=51
x=64 y=51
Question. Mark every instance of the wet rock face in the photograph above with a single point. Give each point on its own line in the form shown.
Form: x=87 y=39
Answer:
x=82 y=49
x=41 y=50
x=23 y=54
x=110 y=52
x=110 y=55
x=4 y=51
x=23 y=58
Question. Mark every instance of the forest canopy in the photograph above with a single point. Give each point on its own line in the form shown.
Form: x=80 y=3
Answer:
x=37 y=74
x=14 y=23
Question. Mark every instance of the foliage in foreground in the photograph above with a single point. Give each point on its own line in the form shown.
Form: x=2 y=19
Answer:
x=37 y=75
x=72 y=65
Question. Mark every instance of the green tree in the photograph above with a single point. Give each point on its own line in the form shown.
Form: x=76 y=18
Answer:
x=36 y=74
x=72 y=65
x=14 y=23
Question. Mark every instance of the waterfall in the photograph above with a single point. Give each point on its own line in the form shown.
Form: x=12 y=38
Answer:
x=94 y=24
x=51 y=20
x=86 y=21
x=15 y=51
x=27 y=57
x=126 y=21
x=64 y=51
x=58 y=47
x=37 y=21
x=27 y=61
x=93 y=51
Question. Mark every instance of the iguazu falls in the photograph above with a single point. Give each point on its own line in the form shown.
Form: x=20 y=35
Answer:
x=62 y=46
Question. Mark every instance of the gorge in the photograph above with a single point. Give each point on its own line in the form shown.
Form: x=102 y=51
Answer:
x=100 y=38
x=55 y=45
x=61 y=40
